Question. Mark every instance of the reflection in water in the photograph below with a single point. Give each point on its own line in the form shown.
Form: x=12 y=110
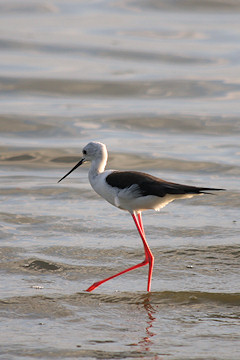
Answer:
x=147 y=341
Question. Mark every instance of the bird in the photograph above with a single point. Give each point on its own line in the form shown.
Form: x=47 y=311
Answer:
x=132 y=191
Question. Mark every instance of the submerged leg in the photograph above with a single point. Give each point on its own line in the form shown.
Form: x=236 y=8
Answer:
x=149 y=259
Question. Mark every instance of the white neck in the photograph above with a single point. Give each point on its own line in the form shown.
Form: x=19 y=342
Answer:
x=98 y=165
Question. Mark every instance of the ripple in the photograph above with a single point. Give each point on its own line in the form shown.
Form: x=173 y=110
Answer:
x=191 y=5
x=104 y=52
x=122 y=161
x=176 y=88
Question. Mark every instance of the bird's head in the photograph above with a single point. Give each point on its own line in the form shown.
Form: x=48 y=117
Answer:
x=92 y=151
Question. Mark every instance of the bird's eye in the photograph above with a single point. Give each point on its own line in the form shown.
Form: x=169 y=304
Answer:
x=84 y=152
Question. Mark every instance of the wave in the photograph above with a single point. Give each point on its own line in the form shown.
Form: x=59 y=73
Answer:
x=153 y=298
x=176 y=88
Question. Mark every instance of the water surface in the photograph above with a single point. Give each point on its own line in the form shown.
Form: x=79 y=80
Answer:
x=158 y=83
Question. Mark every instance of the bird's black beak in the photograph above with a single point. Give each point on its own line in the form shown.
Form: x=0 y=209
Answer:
x=74 y=168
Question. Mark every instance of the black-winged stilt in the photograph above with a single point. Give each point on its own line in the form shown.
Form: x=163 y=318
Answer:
x=132 y=191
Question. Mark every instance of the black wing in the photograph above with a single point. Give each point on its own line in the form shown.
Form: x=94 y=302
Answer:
x=151 y=185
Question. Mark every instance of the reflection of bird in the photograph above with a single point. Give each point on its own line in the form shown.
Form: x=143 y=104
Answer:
x=134 y=192
x=147 y=340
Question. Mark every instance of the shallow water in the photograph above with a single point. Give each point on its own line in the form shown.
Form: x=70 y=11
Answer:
x=158 y=83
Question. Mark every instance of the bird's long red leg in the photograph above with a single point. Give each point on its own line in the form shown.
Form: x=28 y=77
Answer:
x=149 y=259
x=139 y=215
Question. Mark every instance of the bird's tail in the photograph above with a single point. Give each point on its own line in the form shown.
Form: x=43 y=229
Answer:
x=206 y=190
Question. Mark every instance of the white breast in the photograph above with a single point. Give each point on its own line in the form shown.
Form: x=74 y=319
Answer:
x=101 y=187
